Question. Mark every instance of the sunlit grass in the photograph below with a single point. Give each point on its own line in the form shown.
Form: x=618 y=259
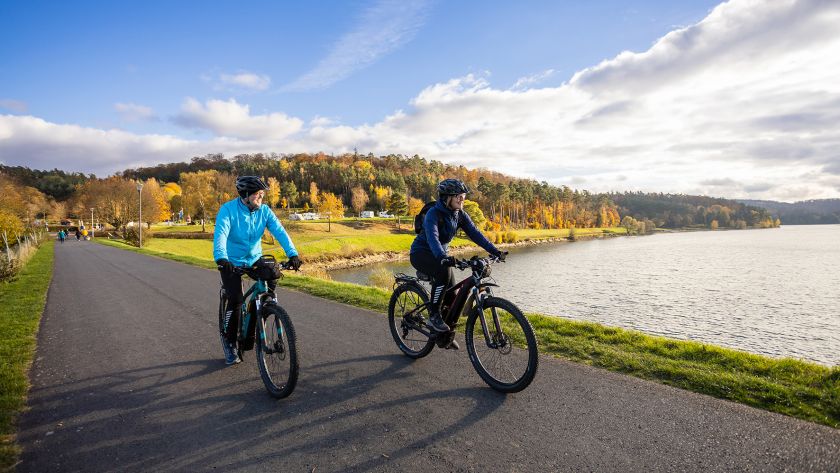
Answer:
x=21 y=305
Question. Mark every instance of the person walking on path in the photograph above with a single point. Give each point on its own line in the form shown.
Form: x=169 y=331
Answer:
x=61 y=236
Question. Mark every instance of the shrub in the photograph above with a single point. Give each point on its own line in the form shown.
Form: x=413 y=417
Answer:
x=131 y=235
x=8 y=268
x=381 y=278
x=511 y=237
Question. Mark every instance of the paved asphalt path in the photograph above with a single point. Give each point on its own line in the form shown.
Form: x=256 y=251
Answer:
x=129 y=377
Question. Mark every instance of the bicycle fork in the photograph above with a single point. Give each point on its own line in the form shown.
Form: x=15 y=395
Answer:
x=479 y=297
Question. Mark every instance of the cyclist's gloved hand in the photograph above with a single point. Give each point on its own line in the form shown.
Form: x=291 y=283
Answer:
x=500 y=255
x=447 y=261
x=295 y=262
x=225 y=265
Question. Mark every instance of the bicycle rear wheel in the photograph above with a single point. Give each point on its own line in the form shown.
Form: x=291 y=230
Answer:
x=507 y=358
x=277 y=351
x=405 y=316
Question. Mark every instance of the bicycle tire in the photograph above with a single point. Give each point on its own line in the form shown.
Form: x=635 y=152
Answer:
x=406 y=297
x=519 y=332
x=281 y=383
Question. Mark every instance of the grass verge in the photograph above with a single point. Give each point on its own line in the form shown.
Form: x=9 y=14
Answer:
x=792 y=387
x=21 y=305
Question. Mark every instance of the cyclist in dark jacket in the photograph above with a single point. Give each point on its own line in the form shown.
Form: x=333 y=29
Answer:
x=428 y=252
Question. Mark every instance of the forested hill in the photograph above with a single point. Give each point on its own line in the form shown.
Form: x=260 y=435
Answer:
x=679 y=210
x=399 y=184
x=56 y=183
x=806 y=212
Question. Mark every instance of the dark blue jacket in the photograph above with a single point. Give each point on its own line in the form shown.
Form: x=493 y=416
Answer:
x=439 y=229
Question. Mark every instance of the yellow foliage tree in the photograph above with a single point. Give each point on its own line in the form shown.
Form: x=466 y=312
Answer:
x=330 y=204
x=272 y=195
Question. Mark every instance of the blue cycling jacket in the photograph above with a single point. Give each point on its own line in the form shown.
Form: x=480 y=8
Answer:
x=439 y=229
x=239 y=231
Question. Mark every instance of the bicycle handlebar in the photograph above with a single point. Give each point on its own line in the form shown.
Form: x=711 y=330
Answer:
x=285 y=265
x=463 y=264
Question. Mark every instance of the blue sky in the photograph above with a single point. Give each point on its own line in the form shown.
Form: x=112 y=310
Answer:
x=137 y=83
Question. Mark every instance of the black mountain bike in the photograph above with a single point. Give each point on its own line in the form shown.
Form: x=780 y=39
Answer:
x=500 y=340
x=266 y=325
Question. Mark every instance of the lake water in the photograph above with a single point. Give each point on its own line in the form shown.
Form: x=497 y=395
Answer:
x=774 y=292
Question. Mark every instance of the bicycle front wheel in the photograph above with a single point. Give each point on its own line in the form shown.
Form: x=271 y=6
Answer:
x=406 y=314
x=506 y=357
x=276 y=351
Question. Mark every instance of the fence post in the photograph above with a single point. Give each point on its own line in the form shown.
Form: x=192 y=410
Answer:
x=8 y=251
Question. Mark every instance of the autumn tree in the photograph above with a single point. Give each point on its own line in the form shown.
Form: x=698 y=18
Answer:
x=198 y=194
x=330 y=204
x=272 y=195
x=360 y=198
x=313 y=194
x=414 y=205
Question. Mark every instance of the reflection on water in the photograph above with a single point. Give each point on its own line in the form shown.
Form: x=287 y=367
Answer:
x=775 y=292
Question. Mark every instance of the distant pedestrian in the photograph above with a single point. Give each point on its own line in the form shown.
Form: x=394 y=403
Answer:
x=78 y=235
x=61 y=236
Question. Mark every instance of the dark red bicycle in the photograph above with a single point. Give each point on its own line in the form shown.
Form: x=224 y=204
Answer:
x=500 y=340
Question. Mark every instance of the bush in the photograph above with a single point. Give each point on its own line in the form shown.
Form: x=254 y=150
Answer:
x=11 y=224
x=8 y=268
x=381 y=278
x=572 y=234
x=511 y=237
x=131 y=235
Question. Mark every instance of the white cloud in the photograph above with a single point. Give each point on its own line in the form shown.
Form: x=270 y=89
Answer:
x=246 y=80
x=529 y=81
x=132 y=112
x=229 y=118
x=14 y=105
x=382 y=29
x=743 y=104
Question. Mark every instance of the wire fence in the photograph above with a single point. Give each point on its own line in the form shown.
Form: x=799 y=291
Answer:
x=18 y=250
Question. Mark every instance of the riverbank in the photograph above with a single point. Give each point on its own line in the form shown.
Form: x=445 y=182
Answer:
x=792 y=387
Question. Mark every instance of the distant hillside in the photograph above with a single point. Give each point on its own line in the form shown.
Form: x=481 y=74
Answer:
x=680 y=210
x=806 y=212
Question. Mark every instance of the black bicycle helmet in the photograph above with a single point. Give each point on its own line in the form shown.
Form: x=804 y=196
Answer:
x=452 y=187
x=247 y=185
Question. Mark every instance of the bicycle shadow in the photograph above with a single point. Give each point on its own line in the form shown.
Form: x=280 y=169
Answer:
x=189 y=415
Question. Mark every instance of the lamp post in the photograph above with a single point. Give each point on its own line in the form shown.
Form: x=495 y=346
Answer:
x=140 y=220
x=92 y=227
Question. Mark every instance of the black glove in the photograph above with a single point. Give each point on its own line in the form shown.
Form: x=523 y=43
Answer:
x=500 y=255
x=447 y=261
x=295 y=262
x=225 y=265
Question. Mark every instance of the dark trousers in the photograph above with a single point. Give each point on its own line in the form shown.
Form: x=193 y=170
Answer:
x=232 y=282
x=442 y=276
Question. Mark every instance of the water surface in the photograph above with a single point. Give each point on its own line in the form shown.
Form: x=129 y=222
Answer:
x=774 y=292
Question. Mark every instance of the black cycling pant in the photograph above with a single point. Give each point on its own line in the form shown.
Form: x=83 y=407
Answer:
x=442 y=276
x=232 y=282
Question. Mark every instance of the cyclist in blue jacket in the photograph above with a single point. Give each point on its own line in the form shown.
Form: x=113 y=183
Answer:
x=240 y=225
x=428 y=252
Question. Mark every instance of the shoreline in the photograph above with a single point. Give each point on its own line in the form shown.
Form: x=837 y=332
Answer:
x=394 y=256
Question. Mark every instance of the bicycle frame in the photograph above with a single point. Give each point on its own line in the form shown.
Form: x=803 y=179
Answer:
x=257 y=289
x=471 y=287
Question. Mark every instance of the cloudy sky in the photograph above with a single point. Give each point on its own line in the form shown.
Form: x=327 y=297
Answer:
x=739 y=99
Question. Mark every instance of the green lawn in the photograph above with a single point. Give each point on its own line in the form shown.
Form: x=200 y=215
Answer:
x=796 y=388
x=21 y=305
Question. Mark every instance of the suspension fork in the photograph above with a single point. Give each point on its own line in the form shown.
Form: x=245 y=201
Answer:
x=479 y=296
